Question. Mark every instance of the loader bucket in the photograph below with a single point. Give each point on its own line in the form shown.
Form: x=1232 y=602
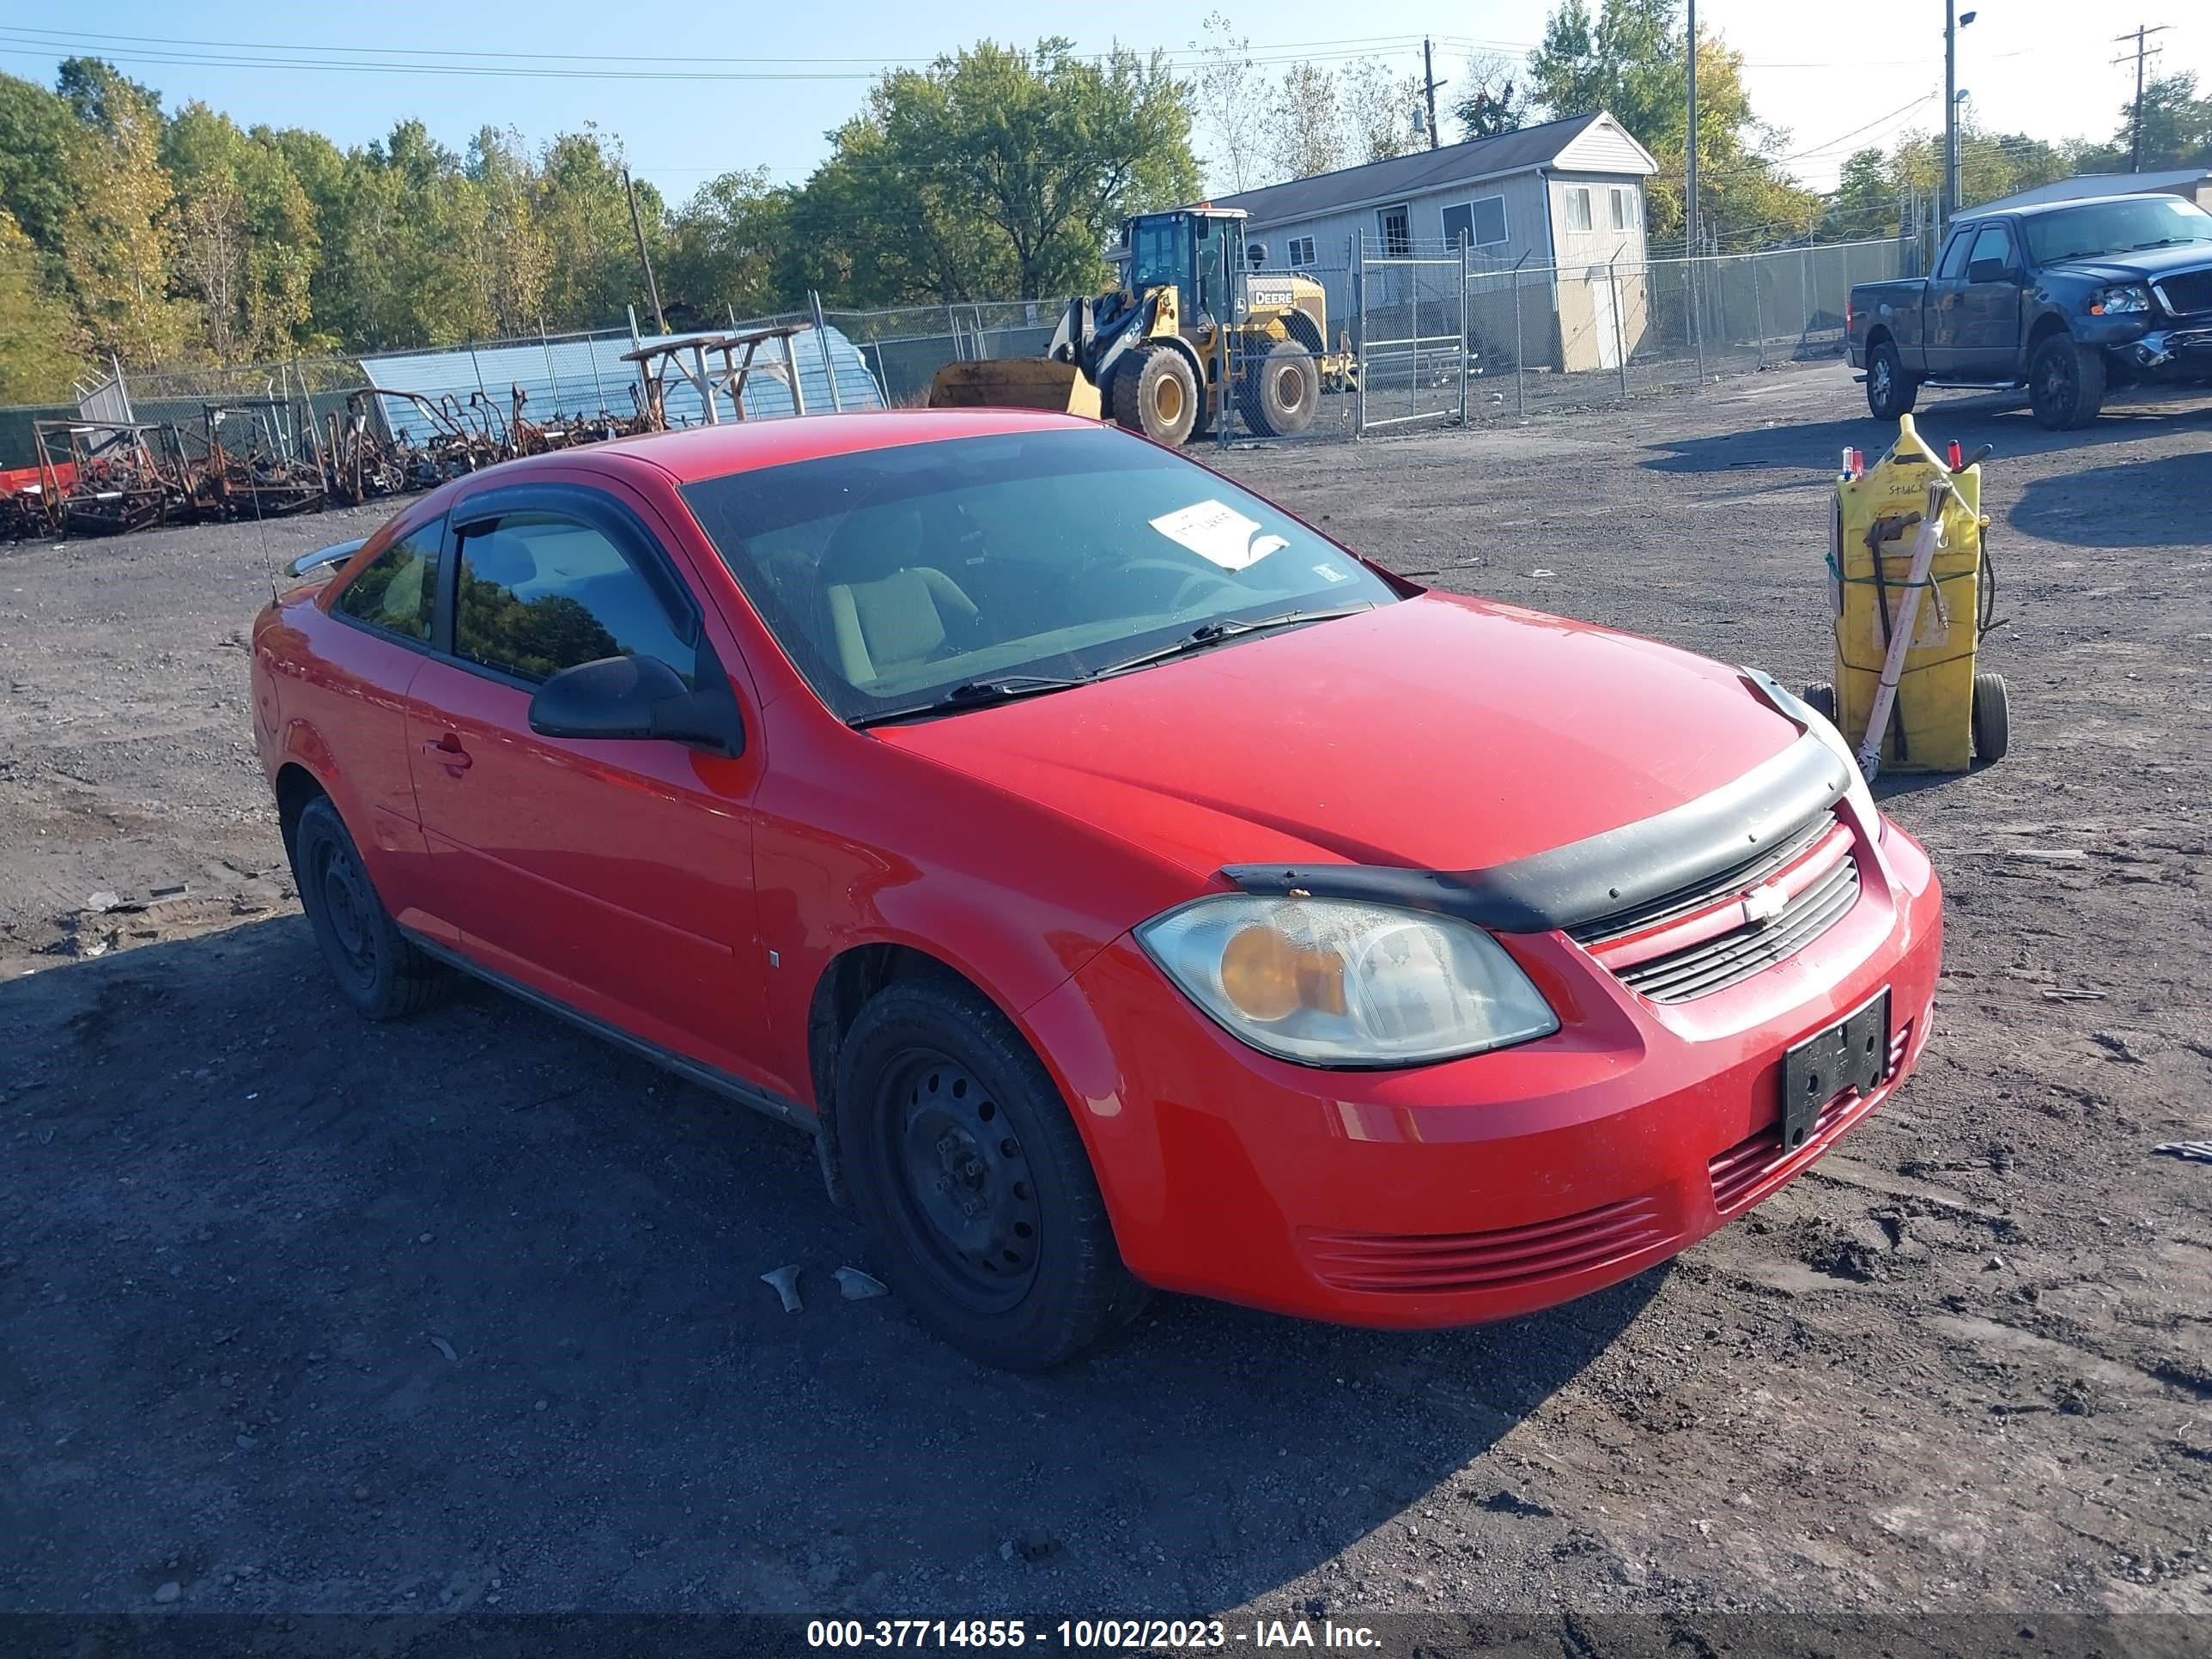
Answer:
x=1015 y=383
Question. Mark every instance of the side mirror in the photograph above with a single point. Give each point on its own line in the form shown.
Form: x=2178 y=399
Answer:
x=637 y=698
x=1988 y=270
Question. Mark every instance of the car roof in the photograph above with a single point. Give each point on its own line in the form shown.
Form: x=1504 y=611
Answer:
x=698 y=453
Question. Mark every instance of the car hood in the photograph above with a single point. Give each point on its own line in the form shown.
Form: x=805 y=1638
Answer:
x=2145 y=265
x=1436 y=734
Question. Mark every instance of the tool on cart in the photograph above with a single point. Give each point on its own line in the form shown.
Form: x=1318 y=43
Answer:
x=1910 y=588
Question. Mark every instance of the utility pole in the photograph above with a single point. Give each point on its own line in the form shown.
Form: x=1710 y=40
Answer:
x=2135 y=155
x=1690 y=148
x=1430 y=84
x=636 y=224
x=1950 y=109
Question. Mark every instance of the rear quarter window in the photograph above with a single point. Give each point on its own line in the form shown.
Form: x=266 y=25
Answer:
x=398 y=592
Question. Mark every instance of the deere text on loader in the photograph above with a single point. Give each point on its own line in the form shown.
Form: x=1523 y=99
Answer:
x=1190 y=327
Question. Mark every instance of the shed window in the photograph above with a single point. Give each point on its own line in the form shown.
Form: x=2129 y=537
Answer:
x=1397 y=232
x=1624 y=207
x=1301 y=252
x=1578 y=208
x=1479 y=223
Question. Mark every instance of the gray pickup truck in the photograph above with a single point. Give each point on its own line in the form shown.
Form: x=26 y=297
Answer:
x=2067 y=298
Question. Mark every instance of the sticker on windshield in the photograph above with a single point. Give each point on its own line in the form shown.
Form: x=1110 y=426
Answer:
x=1215 y=531
x=1329 y=572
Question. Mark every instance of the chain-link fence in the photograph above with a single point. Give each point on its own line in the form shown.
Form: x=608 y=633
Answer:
x=1412 y=336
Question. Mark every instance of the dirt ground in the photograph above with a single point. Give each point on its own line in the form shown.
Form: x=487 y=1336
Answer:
x=297 y=1314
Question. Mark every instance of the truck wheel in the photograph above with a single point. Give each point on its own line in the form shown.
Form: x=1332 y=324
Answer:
x=1156 y=393
x=1992 y=720
x=2065 y=384
x=1820 y=698
x=1281 y=391
x=1890 y=390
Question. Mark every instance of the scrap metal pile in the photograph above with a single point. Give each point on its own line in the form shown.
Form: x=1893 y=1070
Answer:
x=261 y=458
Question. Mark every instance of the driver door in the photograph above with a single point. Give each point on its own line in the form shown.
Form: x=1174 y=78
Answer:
x=614 y=876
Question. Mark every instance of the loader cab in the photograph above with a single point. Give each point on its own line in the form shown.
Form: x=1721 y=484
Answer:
x=1198 y=252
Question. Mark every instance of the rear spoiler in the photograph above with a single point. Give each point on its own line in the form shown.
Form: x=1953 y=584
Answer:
x=336 y=554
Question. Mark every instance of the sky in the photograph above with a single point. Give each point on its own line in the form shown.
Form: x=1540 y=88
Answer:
x=688 y=101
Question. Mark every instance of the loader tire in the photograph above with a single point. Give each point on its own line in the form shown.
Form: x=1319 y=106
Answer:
x=1992 y=718
x=1156 y=394
x=1281 y=391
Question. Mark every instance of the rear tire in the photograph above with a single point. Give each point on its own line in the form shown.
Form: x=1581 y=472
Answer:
x=972 y=1180
x=1156 y=393
x=2066 y=384
x=1890 y=390
x=1281 y=393
x=1992 y=718
x=377 y=970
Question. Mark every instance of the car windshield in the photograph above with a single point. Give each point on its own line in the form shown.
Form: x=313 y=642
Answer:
x=2122 y=227
x=898 y=578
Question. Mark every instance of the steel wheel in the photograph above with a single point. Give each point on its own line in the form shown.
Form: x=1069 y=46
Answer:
x=966 y=1197
x=347 y=909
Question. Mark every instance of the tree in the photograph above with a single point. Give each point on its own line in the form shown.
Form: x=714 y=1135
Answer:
x=998 y=171
x=1232 y=105
x=42 y=351
x=38 y=190
x=119 y=235
x=1493 y=102
x=726 y=246
x=1378 y=108
x=1630 y=62
x=246 y=246
x=1864 y=202
x=1309 y=130
x=2177 y=126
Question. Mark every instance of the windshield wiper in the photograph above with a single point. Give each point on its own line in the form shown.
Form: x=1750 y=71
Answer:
x=1214 y=633
x=2163 y=241
x=972 y=694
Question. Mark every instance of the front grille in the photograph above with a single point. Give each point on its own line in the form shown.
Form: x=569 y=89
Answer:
x=2186 y=292
x=1633 y=943
x=1731 y=883
x=1754 y=1166
x=1714 y=964
x=1491 y=1260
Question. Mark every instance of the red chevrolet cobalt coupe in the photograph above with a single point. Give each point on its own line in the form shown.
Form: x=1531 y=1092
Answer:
x=1126 y=885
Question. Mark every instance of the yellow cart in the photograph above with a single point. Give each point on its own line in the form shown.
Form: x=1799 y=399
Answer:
x=1943 y=714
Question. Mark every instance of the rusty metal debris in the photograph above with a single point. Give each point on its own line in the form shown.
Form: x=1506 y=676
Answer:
x=264 y=457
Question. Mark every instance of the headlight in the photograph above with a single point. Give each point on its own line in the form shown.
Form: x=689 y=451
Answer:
x=1786 y=703
x=2118 y=302
x=1331 y=982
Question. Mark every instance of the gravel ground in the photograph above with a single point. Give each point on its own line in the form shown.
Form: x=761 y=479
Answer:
x=303 y=1315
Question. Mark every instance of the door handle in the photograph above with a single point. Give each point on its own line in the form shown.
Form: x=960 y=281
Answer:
x=448 y=753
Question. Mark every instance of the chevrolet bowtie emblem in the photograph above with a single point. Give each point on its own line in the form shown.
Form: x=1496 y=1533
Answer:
x=1762 y=904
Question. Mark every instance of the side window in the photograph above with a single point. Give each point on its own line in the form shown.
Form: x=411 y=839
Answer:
x=1624 y=207
x=1397 y=232
x=1953 y=265
x=1578 y=208
x=399 y=589
x=1994 y=243
x=537 y=593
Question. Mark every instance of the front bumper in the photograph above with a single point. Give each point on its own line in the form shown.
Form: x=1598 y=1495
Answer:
x=2184 y=352
x=1484 y=1188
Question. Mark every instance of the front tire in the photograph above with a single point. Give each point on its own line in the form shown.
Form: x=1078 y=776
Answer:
x=1282 y=391
x=378 y=971
x=972 y=1180
x=1890 y=390
x=1156 y=393
x=2065 y=384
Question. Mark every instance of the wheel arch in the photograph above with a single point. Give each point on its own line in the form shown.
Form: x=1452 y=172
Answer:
x=2039 y=331
x=843 y=987
x=297 y=787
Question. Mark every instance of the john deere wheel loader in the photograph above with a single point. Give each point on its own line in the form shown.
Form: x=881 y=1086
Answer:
x=1189 y=329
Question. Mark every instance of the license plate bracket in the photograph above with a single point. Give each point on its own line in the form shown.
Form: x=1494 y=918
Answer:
x=1849 y=1054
